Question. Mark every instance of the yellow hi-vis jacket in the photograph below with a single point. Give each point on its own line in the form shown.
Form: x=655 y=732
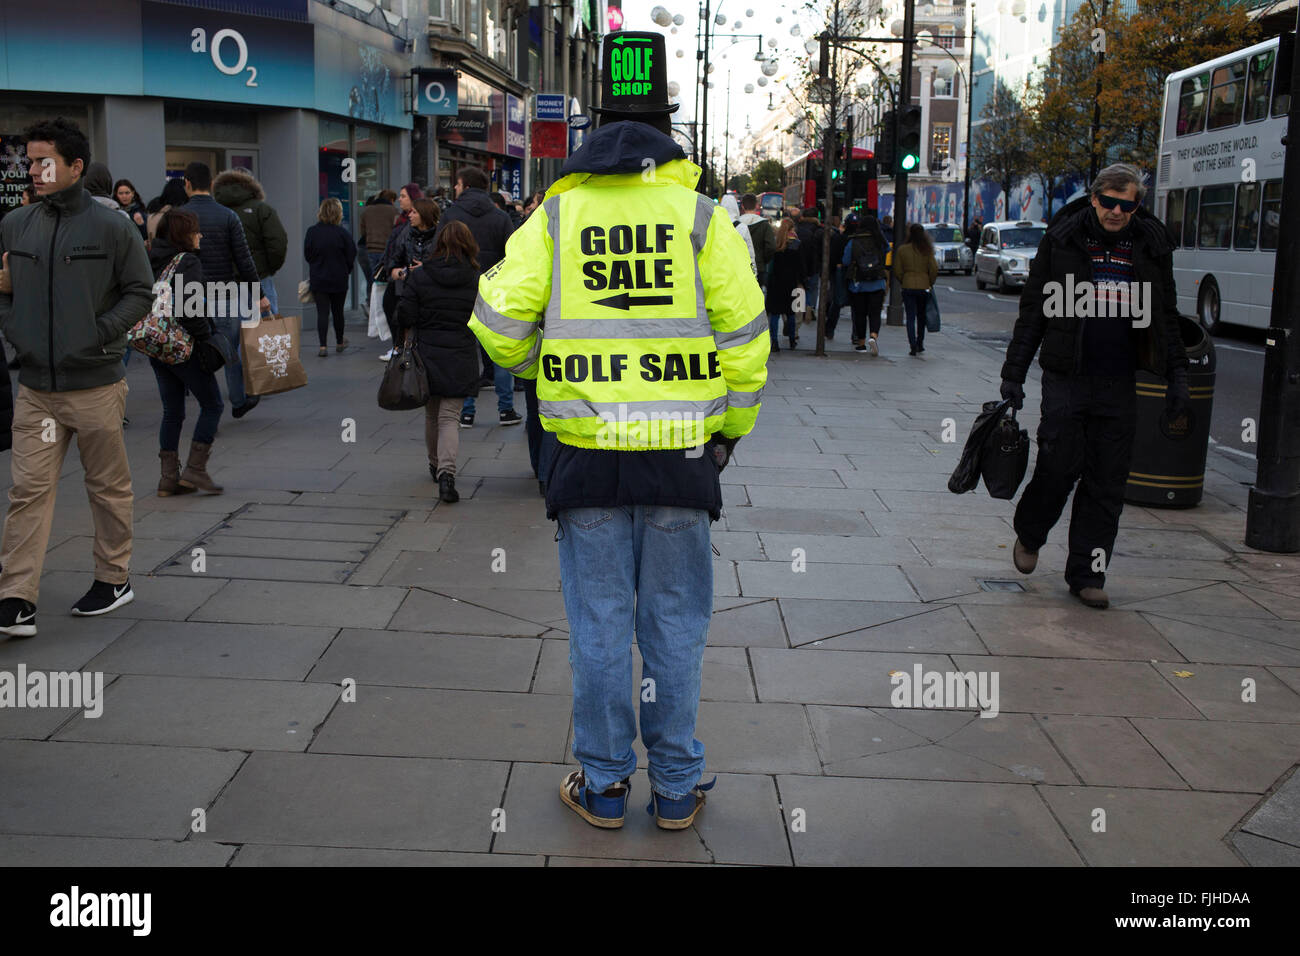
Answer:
x=654 y=334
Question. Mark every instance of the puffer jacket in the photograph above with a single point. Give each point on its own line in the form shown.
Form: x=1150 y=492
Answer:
x=268 y=243
x=1063 y=252
x=412 y=246
x=330 y=252
x=490 y=226
x=914 y=269
x=224 y=248
x=436 y=302
x=74 y=259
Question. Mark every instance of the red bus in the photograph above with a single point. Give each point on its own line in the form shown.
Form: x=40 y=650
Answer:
x=805 y=181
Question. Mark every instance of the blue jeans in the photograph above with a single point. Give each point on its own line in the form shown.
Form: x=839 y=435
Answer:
x=791 y=325
x=173 y=380
x=647 y=569
x=814 y=286
x=505 y=386
x=229 y=327
x=268 y=290
x=914 y=301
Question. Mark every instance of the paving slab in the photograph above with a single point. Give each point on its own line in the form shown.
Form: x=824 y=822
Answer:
x=1217 y=755
x=830 y=581
x=851 y=822
x=416 y=659
x=756 y=738
x=840 y=549
x=366 y=535
x=226 y=544
x=322 y=800
x=314 y=515
x=156 y=598
x=1110 y=752
x=817 y=676
x=108 y=790
x=1213 y=599
x=289 y=602
x=741 y=823
x=221 y=713
x=1285 y=606
x=1260 y=851
x=1217 y=691
x=264 y=652
x=264 y=569
x=300 y=856
x=86 y=852
x=531 y=568
x=1149 y=827
x=1075 y=632
x=797 y=520
x=749 y=625
x=62 y=642
x=1278 y=818
x=1213 y=641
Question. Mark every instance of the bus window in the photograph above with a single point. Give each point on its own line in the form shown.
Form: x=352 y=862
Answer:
x=1189 y=219
x=1282 y=89
x=1216 y=217
x=1227 y=95
x=1191 y=105
x=1258 y=92
x=1247 y=230
x=1271 y=218
x=1174 y=214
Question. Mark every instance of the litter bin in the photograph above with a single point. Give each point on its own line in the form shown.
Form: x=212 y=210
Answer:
x=1168 y=467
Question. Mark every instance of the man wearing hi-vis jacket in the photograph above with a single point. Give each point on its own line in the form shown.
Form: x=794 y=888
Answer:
x=650 y=360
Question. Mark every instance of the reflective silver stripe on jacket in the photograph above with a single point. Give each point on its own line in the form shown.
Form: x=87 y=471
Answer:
x=744 y=399
x=552 y=209
x=628 y=329
x=621 y=411
x=534 y=351
x=502 y=324
x=743 y=335
x=704 y=207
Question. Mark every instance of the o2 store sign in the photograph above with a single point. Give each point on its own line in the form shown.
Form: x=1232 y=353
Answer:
x=231 y=60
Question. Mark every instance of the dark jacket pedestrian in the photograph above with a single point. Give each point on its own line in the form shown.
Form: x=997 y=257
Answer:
x=377 y=223
x=973 y=233
x=810 y=239
x=435 y=306
x=490 y=226
x=177 y=234
x=330 y=252
x=268 y=243
x=761 y=234
x=786 y=279
x=129 y=200
x=1099 y=304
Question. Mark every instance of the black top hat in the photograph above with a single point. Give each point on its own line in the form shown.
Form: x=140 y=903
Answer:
x=634 y=76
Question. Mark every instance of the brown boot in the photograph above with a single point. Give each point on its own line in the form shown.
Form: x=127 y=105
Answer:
x=196 y=474
x=169 y=481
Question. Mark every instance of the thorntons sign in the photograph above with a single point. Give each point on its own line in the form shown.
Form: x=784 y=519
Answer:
x=472 y=124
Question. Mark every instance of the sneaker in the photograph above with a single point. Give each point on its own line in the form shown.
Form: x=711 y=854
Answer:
x=875 y=350
x=125 y=421
x=1093 y=597
x=247 y=407
x=510 y=417
x=605 y=810
x=678 y=814
x=323 y=351
x=466 y=419
x=17 y=618
x=385 y=356
x=102 y=598
x=341 y=346
x=1024 y=559
x=859 y=347
x=447 y=488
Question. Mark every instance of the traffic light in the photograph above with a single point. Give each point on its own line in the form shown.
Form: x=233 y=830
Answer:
x=885 y=144
x=909 y=139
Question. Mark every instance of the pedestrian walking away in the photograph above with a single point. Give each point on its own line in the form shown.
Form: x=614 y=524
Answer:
x=866 y=277
x=917 y=271
x=268 y=243
x=330 y=252
x=633 y=494
x=785 y=284
x=376 y=227
x=761 y=235
x=435 y=306
x=225 y=256
x=406 y=196
x=177 y=241
x=1089 y=412
x=72 y=381
x=811 y=232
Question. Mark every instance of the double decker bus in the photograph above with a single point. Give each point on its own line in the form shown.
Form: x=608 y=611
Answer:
x=1219 y=181
x=805 y=181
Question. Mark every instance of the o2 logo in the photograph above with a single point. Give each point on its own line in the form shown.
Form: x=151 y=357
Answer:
x=221 y=51
x=436 y=94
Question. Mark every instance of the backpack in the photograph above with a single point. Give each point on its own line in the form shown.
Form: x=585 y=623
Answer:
x=868 y=262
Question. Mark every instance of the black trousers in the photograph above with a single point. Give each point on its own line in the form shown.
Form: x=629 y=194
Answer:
x=325 y=303
x=866 y=310
x=1086 y=435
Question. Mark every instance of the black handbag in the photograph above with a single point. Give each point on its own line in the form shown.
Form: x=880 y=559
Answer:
x=1005 y=457
x=405 y=384
x=212 y=353
x=967 y=473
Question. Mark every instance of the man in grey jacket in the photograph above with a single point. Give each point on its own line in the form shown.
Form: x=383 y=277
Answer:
x=76 y=278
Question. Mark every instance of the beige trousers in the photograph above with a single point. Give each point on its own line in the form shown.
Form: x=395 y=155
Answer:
x=442 y=432
x=44 y=424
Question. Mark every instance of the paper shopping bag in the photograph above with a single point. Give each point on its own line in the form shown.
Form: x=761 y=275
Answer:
x=269 y=350
x=378 y=321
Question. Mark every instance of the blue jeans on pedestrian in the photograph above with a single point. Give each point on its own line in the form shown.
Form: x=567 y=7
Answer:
x=791 y=325
x=268 y=290
x=914 y=301
x=814 y=285
x=173 y=381
x=505 y=387
x=371 y=266
x=229 y=327
x=649 y=570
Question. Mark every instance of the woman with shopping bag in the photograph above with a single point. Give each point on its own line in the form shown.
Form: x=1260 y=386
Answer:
x=917 y=271
x=436 y=303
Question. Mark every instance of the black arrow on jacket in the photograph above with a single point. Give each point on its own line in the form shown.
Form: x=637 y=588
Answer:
x=625 y=301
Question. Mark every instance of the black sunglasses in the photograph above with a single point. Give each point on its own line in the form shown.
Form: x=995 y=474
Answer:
x=1110 y=202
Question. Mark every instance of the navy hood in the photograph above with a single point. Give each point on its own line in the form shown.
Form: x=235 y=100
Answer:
x=622 y=147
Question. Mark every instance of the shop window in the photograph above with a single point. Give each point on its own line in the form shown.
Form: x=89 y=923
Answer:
x=203 y=123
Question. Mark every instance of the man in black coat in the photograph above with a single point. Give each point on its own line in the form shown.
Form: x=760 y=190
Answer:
x=1100 y=301
x=810 y=232
x=491 y=228
x=225 y=256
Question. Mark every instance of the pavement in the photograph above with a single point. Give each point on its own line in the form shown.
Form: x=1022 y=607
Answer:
x=325 y=666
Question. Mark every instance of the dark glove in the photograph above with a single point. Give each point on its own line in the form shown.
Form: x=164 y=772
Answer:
x=721 y=449
x=1177 y=396
x=1015 y=393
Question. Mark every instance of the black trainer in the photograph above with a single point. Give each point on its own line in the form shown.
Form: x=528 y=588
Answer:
x=510 y=417
x=466 y=419
x=17 y=618
x=102 y=598
x=248 y=406
x=447 y=488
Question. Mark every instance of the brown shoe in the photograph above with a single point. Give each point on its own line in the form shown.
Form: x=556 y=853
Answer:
x=196 y=474
x=1024 y=559
x=341 y=346
x=1093 y=597
x=169 y=480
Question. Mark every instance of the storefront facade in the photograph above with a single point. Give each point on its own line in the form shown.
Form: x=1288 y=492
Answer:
x=310 y=101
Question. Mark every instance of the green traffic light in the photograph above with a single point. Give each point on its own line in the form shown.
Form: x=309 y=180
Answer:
x=909 y=162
